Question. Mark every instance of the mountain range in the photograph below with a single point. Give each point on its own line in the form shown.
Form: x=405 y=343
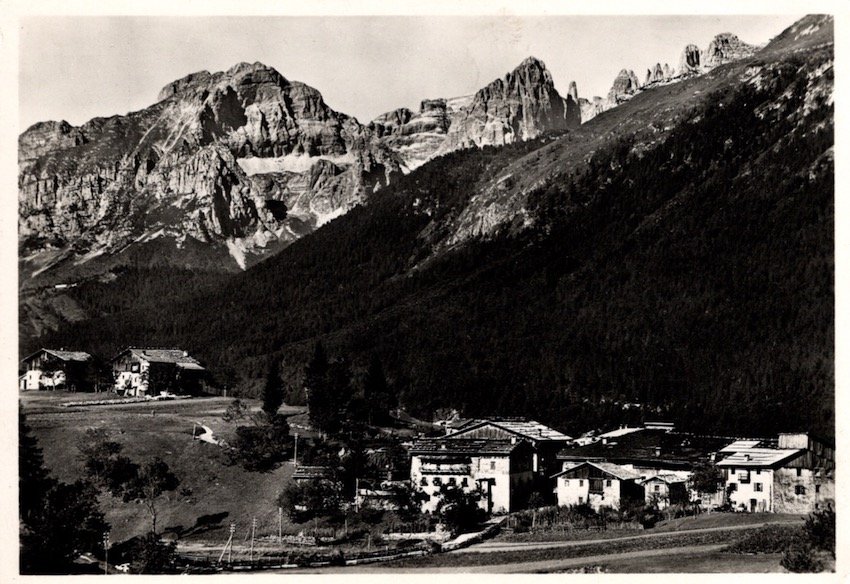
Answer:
x=514 y=251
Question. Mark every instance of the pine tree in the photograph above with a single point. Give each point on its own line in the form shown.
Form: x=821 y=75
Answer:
x=272 y=392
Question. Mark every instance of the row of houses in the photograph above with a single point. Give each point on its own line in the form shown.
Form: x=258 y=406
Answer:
x=135 y=371
x=508 y=459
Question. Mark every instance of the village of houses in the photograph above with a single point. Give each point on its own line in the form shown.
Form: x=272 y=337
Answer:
x=508 y=459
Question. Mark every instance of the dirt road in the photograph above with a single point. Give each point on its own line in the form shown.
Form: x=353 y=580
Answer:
x=501 y=546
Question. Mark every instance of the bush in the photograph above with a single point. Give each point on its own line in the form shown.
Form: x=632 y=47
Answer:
x=820 y=530
x=801 y=558
x=770 y=539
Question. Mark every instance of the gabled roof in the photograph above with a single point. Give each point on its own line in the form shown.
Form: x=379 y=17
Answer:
x=615 y=470
x=79 y=356
x=525 y=428
x=760 y=457
x=178 y=357
x=739 y=445
x=664 y=478
x=471 y=446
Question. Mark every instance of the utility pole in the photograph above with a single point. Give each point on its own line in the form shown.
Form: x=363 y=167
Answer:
x=106 y=552
x=295 y=458
x=279 y=525
x=228 y=546
x=253 y=529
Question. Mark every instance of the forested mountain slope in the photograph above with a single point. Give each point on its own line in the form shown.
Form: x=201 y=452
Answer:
x=674 y=254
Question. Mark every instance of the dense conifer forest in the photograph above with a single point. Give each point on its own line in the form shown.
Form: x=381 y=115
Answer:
x=690 y=279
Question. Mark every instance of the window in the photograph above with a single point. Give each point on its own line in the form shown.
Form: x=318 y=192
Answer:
x=424 y=482
x=733 y=487
x=608 y=482
x=817 y=488
x=464 y=482
x=799 y=490
x=744 y=477
x=799 y=472
x=134 y=367
x=492 y=465
x=438 y=481
x=657 y=488
x=732 y=470
x=566 y=482
x=758 y=487
x=452 y=481
x=580 y=500
x=758 y=471
x=580 y=482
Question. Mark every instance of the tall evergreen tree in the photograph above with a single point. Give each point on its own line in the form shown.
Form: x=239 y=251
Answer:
x=272 y=391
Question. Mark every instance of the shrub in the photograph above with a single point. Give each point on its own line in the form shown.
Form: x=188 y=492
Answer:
x=820 y=529
x=770 y=539
x=801 y=558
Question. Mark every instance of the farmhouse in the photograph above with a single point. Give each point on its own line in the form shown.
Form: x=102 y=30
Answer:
x=501 y=469
x=56 y=369
x=794 y=476
x=598 y=484
x=545 y=441
x=140 y=371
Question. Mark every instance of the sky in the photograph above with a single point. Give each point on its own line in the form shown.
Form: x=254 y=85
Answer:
x=76 y=68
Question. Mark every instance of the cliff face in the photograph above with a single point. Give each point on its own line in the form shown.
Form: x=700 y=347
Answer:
x=244 y=160
x=521 y=106
x=183 y=168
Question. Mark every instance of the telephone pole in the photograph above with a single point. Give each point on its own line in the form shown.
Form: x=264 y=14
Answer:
x=253 y=529
x=106 y=552
x=295 y=457
x=228 y=547
x=279 y=525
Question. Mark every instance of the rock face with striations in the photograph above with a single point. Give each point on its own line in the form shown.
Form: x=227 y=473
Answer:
x=724 y=48
x=521 y=106
x=181 y=169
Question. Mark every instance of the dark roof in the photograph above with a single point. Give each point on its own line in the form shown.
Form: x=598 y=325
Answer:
x=464 y=446
x=178 y=357
x=614 y=470
x=80 y=356
x=531 y=429
x=655 y=446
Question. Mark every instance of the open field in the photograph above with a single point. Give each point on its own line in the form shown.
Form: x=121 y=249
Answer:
x=210 y=488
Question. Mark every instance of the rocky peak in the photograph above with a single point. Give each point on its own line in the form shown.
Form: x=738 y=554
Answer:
x=625 y=86
x=573 y=91
x=726 y=47
x=691 y=60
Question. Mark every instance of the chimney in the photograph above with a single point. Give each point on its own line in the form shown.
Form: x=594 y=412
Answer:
x=747 y=457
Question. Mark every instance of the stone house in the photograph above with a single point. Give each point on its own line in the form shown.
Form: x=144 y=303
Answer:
x=795 y=476
x=56 y=369
x=500 y=469
x=598 y=484
x=139 y=372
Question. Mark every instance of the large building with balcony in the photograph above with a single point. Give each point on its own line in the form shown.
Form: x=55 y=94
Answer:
x=502 y=470
x=598 y=484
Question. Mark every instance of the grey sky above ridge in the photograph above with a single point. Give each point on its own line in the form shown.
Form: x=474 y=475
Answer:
x=77 y=68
